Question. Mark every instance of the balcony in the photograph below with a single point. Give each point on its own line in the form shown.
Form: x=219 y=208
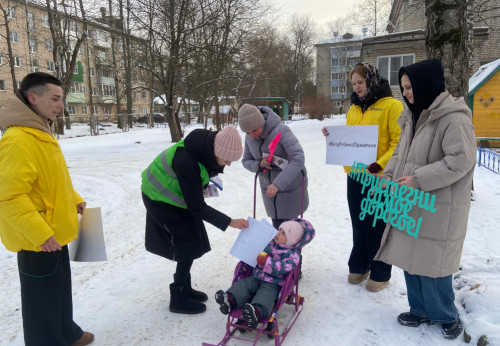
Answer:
x=75 y=98
x=103 y=43
x=101 y=61
x=105 y=80
x=340 y=96
x=106 y=99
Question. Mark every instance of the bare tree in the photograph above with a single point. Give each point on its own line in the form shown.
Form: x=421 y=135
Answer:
x=302 y=36
x=4 y=11
x=449 y=35
x=372 y=15
x=67 y=36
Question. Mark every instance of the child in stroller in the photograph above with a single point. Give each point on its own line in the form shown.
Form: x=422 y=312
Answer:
x=256 y=295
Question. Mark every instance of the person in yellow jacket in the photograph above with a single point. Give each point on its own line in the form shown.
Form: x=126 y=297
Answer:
x=372 y=104
x=38 y=211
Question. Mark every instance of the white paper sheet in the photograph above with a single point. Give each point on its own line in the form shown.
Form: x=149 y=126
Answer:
x=89 y=246
x=253 y=240
x=348 y=144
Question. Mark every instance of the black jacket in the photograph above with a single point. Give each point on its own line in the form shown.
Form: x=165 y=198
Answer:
x=179 y=234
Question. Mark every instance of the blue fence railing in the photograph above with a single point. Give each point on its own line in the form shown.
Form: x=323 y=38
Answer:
x=488 y=159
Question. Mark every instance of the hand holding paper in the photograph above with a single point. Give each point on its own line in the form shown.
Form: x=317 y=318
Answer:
x=253 y=240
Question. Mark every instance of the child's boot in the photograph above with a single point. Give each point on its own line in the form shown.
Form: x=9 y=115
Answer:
x=251 y=314
x=181 y=303
x=224 y=301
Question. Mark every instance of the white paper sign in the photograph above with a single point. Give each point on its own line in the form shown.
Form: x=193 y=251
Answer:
x=89 y=246
x=348 y=144
x=253 y=240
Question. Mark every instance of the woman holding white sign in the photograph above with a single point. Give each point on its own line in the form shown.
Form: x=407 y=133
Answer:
x=372 y=104
x=436 y=154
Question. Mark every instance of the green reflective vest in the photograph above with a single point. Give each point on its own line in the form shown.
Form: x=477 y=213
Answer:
x=159 y=181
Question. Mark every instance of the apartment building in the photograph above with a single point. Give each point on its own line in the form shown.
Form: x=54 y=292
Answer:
x=94 y=74
x=403 y=45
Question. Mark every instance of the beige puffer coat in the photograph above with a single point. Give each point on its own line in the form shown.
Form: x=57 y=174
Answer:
x=441 y=158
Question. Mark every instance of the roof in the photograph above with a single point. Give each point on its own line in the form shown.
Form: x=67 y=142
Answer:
x=343 y=38
x=222 y=109
x=482 y=75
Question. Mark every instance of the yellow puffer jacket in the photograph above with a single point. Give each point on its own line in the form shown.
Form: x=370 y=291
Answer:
x=37 y=199
x=384 y=113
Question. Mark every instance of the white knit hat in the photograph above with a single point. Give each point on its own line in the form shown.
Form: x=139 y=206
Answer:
x=250 y=118
x=294 y=232
x=227 y=145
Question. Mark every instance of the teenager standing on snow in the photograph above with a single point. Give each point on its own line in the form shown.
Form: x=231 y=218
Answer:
x=284 y=190
x=172 y=191
x=372 y=104
x=38 y=211
x=436 y=154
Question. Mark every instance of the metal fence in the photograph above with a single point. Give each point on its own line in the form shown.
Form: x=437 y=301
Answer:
x=488 y=159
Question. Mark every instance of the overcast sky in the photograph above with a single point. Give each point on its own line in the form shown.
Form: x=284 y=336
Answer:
x=322 y=11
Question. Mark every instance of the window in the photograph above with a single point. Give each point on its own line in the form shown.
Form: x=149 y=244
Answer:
x=13 y=37
x=12 y=12
x=48 y=45
x=17 y=61
x=340 y=76
x=335 y=62
x=0 y=60
x=338 y=104
x=89 y=53
x=96 y=110
x=51 y=66
x=108 y=90
x=143 y=94
x=94 y=92
x=34 y=65
x=18 y=83
x=92 y=71
x=45 y=21
x=354 y=62
x=2 y=84
x=144 y=110
x=72 y=110
x=31 y=21
x=33 y=44
x=389 y=66
x=77 y=88
x=75 y=69
x=338 y=89
x=84 y=109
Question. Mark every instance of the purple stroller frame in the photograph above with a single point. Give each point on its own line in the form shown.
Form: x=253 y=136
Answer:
x=288 y=295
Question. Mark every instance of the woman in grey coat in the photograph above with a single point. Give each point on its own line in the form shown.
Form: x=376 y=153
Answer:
x=436 y=154
x=284 y=189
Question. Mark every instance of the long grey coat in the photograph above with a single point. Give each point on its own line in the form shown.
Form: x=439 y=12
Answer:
x=441 y=158
x=287 y=202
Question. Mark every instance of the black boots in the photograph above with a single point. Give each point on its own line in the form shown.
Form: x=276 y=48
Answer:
x=194 y=294
x=182 y=303
x=409 y=319
x=452 y=330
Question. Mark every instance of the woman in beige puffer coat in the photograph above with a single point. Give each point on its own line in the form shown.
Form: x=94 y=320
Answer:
x=436 y=154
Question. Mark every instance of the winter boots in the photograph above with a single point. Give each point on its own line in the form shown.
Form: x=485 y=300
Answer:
x=181 y=301
x=452 y=330
x=356 y=279
x=375 y=286
x=194 y=294
x=251 y=314
x=409 y=319
x=222 y=298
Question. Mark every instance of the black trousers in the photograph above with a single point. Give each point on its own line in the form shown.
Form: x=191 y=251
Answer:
x=46 y=297
x=365 y=238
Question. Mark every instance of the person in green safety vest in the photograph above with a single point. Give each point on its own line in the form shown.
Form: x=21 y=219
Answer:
x=172 y=191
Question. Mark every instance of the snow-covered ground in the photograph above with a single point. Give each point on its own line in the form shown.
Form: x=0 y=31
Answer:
x=124 y=300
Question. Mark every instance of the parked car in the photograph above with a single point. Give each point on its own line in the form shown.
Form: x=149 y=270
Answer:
x=157 y=118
